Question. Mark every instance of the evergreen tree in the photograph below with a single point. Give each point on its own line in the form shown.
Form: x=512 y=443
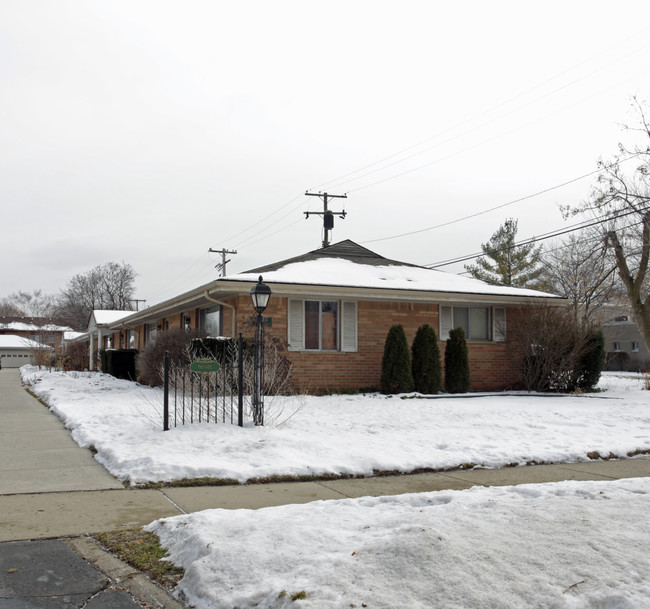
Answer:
x=456 y=363
x=505 y=262
x=396 y=376
x=425 y=361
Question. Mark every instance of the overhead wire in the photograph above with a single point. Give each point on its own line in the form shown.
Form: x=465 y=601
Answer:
x=486 y=112
x=502 y=205
x=532 y=240
x=251 y=238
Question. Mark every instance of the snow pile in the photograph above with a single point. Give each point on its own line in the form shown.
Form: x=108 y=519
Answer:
x=573 y=545
x=344 y=434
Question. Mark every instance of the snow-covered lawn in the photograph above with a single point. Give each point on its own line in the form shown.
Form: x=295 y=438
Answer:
x=567 y=545
x=345 y=434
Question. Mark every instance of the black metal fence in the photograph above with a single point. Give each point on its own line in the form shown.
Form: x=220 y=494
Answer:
x=208 y=390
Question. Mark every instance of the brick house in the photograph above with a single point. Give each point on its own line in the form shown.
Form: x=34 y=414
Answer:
x=41 y=330
x=332 y=309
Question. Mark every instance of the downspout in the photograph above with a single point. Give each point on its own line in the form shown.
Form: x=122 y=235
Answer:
x=224 y=304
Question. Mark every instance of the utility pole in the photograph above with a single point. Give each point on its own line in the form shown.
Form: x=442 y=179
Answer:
x=137 y=300
x=328 y=216
x=222 y=265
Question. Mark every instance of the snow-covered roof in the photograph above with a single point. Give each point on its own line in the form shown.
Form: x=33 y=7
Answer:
x=325 y=268
x=11 y=341
x=71 y=336
x=109 y=317
x=19 y=326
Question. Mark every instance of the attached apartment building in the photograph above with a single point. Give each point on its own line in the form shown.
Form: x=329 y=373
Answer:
x=332 y=309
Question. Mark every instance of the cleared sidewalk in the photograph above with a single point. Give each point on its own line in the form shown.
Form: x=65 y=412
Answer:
x=44 y=515
x=37 y=453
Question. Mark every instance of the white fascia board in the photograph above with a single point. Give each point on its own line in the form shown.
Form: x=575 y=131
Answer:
x=388 y=294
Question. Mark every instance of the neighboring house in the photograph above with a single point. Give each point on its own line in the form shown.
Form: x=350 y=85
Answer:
x=332 y=309
x=624 y=346
x=100 y=335
x=17 y=351
x=42 y=330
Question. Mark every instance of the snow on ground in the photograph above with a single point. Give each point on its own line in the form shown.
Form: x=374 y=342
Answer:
x=569 y=545
x=344 y=434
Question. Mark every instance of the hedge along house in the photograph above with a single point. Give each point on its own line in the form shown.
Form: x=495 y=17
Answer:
x=331 y=309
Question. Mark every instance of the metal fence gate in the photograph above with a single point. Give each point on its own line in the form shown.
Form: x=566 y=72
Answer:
x=204 y=391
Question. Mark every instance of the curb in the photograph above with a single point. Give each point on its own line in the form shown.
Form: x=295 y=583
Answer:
x=122 y=575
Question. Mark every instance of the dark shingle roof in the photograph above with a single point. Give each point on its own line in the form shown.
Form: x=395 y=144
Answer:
x=347 y=250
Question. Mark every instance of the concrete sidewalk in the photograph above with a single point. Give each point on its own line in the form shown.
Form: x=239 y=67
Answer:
x=37 y=453
x=65 y=514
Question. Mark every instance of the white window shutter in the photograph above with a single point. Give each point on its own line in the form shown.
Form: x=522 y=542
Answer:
x=296 y=324
x=349 y=326
x=446 y=321
x=499 y=324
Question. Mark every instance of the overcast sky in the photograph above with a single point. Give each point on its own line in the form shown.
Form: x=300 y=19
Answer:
x=151 y=131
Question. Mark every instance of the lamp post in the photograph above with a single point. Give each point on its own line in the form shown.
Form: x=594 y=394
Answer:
x=260 y=294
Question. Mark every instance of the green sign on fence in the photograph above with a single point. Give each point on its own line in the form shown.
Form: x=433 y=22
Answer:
x=204 y=365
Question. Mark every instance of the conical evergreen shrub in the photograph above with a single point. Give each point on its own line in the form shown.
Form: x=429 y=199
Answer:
x=592 y=361
x=396 y=376
x=456 y=363
x=426 y=365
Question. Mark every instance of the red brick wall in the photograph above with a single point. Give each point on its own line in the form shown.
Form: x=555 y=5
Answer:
x=491 y=368
x=316 y=371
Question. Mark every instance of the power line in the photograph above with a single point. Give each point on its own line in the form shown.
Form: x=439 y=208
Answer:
x=502 y=205
x=543 y=237
x=489 y=110
x=339 y=183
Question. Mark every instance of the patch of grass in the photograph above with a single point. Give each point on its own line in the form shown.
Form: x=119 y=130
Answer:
x=386 y=472
x=185 y=482
x=278 y=478
x=142 y=550
x=639 y=451
x=595 y=455
x=469 y=465
x=43 y=402
x=296 y=596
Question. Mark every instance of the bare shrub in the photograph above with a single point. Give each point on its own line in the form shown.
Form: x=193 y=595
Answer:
x=548 y=345
x=76 y=356
x=278 y=408
x=149 y=361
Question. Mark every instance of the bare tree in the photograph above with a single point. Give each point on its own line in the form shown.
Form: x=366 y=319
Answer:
x=621 y=200
x=29 y=304
x=10 y=309
x=108 y=286
x=580 y=270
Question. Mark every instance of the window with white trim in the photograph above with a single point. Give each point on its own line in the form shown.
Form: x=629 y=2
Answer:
x=322 y=325
x=475 y=320
x=617 y=345
x=635 y=346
